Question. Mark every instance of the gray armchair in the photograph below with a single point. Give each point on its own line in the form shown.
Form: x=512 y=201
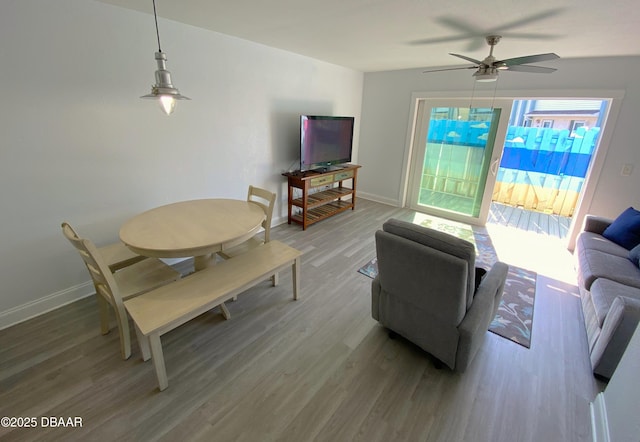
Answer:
x=426 y=291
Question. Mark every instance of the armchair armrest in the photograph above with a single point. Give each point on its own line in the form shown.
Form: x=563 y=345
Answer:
x=618 y=327
x=376 y=288
x=595 y=224
x=483 y=309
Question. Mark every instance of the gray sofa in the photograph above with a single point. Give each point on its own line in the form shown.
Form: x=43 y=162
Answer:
x=426 y=291
x=609 y=286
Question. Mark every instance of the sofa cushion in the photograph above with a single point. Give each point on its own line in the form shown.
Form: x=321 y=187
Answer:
x=596 y=264
x=593 y=241
x=591 y=323
x=634 y=255
x=604 y=292
x=625 y=229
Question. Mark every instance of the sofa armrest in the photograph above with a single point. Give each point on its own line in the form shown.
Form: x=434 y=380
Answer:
x=595 y=224
x=618 y=327
x=486 y=301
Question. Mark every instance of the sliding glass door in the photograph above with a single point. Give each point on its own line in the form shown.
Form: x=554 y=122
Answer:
x=456 y=154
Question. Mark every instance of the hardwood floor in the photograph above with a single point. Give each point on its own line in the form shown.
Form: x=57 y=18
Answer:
x=319 y=368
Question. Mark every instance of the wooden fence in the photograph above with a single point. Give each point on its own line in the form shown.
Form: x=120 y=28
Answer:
x=542 y=169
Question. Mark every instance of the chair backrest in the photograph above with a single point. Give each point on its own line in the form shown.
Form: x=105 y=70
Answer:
x=266 y=200
x=427 y=268
x=102 y=277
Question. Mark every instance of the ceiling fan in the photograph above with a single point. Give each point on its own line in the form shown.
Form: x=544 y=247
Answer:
x=469 y=31
x=487 y=69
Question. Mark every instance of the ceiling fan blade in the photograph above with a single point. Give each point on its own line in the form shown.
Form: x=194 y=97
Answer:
x=530 y=35
x=449 y=69
x=428 y=41
x=464 y=57
x=475 y=35
x=529 y=68
x=467 y=31
x=526 y=59
x=532 y=18
x=460 y=25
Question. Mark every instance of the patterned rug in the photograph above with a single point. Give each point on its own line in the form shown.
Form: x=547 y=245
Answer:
x=514 y=318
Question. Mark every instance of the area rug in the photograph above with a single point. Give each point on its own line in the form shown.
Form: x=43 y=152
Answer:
x=514 y=319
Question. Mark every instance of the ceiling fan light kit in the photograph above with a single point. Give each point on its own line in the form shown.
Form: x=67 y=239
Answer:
x=486 y=75
x=163 y=90
x=488 y=69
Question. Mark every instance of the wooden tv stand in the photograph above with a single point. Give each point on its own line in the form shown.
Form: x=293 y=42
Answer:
x=316 y=206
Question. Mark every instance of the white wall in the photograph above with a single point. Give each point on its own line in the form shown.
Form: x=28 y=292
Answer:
x=387 y=101
x=615 y=411
x=623 y=395
x=79 y=145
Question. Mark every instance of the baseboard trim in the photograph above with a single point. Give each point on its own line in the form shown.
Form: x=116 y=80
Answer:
x=43 y=305
x=599 y=421
x=377 y=199
x=56 y=300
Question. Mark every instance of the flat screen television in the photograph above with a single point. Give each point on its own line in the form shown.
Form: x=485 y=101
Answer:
x=325 y=141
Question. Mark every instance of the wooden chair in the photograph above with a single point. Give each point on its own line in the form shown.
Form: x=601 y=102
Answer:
x=266 y=200
x=117 y=256
x=113 y=288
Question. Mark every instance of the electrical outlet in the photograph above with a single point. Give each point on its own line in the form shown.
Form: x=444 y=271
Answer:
x=627 y=169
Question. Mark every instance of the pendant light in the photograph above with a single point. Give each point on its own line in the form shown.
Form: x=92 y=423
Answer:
x=163 y=90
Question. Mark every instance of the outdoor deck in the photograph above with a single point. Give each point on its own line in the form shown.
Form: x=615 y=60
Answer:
x=552 y=225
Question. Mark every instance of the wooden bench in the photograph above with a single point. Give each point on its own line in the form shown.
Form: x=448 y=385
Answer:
x=161 y=310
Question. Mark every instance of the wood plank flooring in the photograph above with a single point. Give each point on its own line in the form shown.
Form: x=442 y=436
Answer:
x=314 y=369
x=555 y=226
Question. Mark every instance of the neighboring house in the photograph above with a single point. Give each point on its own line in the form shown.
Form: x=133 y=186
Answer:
x=560 y=114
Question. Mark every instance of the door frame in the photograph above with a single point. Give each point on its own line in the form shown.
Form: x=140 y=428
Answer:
x=613 y=96
x=417 y=153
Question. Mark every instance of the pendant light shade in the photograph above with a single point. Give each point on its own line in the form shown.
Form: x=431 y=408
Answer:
x=163 y=90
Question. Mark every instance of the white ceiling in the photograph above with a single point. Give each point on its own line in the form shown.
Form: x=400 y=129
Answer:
x=378 y=35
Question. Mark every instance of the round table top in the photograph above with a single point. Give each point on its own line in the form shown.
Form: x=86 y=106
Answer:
x=191 y=228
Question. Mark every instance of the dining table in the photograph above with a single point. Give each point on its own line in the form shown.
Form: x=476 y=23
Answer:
x=196 y=228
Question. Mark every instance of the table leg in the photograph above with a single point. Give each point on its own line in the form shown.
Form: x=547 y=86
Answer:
x=158 y=360
x=201 y=263
x=225 y=311
x=204 y=261
x=295 y=275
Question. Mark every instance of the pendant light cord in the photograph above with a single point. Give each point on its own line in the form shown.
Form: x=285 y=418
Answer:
x=155 y=16
x=495 y=88
x=473 y=93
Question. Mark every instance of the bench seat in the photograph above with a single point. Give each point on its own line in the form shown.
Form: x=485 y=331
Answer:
x=161 y=310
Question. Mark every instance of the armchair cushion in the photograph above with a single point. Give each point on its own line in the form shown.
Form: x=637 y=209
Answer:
x=447 y=244
x=411 y=271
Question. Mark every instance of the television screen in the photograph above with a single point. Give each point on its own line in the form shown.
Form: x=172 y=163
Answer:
x=325 y=141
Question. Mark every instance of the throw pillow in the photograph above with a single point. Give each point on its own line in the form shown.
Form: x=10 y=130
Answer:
x=634 y=255
x=625 y=229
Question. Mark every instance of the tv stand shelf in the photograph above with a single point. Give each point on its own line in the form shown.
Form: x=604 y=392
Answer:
x=321 y=204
